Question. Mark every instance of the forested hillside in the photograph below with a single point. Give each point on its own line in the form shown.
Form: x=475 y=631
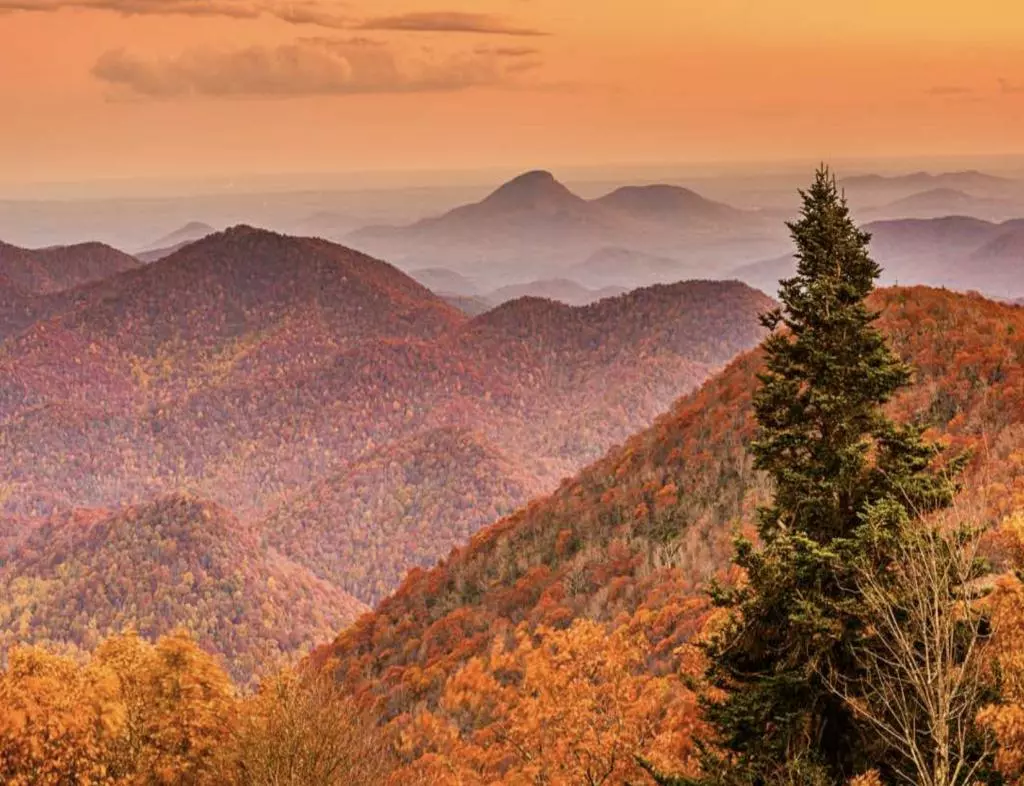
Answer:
x=826 y=533
x=629 y=542
x=563 y=640
x=75 y=578
x=353 y=422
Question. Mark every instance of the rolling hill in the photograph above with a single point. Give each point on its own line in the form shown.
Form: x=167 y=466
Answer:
x=664 y=203
x=38 y=283
x=445 y=282
x=260 y=372
x=45 y=271
x=629 y=541
x=942 y=202
x=82 y=575
x=470 y=305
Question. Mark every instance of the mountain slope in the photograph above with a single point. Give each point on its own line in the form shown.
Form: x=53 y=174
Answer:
x=661 y=203
x=251 y=368
x=190 y=232
x=44 y=271
x=78 y=577
x=404 y=505
x=630 y=539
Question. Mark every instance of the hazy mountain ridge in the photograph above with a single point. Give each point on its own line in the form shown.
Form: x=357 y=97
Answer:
x=533 y=227
x=190 y=232
x=560 y=289
x=956 y=252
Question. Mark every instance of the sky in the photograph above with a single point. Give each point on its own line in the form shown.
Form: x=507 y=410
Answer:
x=93 y=89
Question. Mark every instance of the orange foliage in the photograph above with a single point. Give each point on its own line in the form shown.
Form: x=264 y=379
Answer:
x=574 y=706
x=58 y=722
x=585 y=553
x=1005 y=720
x=177 y=561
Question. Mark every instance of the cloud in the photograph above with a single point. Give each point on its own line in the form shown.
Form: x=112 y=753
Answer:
x=949 y=90
x=1006 y=86
x=296 y=12
x=323 y=13
x=507 y=51
x=448 y=22
x=307 y=67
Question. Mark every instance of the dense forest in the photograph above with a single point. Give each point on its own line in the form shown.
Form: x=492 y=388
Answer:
x=807 y=572
x=345 y=422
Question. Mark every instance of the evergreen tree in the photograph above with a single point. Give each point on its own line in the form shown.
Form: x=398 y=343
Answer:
x=834 y=458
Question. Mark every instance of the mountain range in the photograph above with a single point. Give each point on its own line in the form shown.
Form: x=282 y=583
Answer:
x=352 y=422
x=258 y=416
x=956 y=252
x=534 y=226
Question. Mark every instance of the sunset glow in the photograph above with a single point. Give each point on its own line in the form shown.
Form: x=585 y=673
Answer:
x=115 y=88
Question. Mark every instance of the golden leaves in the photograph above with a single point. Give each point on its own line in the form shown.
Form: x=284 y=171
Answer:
x=574 y=706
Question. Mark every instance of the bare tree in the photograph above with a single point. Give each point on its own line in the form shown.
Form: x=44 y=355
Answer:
x=303 y=729
x=923 y=681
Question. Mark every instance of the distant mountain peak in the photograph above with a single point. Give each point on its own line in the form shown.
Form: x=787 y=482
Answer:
x=532 y=178
x=662 y=201
x=193 y=230
x=538 y=188
x=196 y=226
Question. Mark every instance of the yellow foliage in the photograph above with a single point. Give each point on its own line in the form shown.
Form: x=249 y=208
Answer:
x=137 y=713
x=58 y=721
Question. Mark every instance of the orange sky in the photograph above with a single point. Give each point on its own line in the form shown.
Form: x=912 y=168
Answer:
x=122 y=88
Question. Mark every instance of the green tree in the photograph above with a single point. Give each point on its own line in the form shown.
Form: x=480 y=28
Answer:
x=836 y=460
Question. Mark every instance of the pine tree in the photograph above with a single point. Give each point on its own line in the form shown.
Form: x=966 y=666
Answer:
x=834 y=457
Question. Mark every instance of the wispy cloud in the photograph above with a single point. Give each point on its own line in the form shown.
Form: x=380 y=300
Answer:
x=323 y=14
x=508 y=51
x=309 y=66
x=949 y=90
x=449 y=22
x=1006 y=86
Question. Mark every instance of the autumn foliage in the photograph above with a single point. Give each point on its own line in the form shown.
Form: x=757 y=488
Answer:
x=628 y=542
x=166 y=714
